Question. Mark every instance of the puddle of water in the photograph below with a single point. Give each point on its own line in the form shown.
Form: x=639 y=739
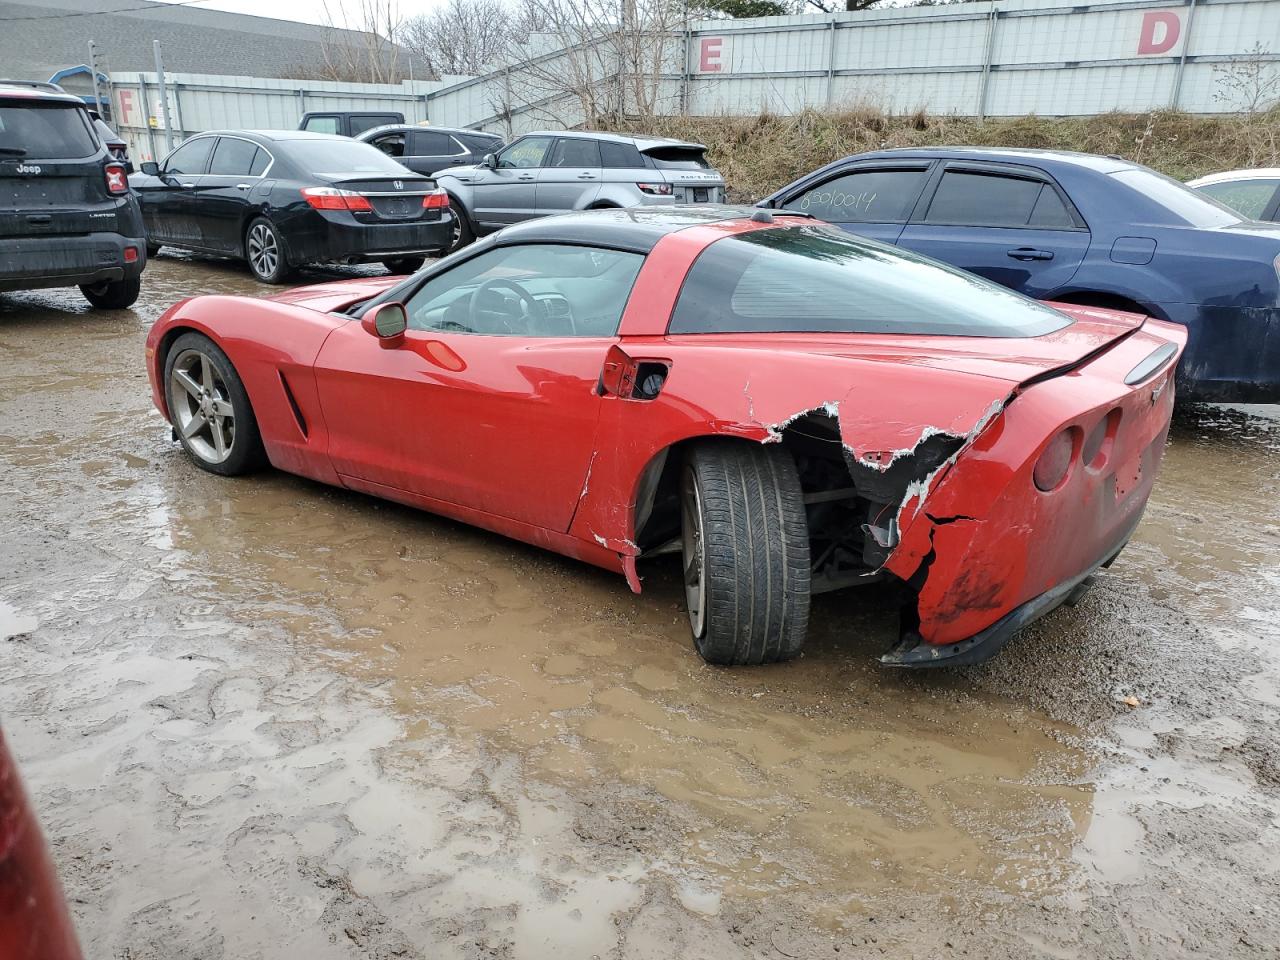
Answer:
x=14 y=624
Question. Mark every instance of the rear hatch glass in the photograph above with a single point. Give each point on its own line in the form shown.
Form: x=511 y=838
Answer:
x=45 y=131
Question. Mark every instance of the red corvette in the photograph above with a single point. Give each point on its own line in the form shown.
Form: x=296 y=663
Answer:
x=34 y=921
x=791 y=408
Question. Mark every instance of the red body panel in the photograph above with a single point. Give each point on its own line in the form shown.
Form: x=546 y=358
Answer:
x=34 y=921
x=513 y=435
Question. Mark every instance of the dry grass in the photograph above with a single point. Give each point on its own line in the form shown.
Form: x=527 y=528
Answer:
x=761 y=153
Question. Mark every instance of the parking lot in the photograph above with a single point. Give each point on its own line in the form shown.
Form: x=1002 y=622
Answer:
x=265 y=718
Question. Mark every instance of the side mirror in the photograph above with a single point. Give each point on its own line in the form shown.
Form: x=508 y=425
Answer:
x=387 y=322
x=490 y=160
x=150 y=168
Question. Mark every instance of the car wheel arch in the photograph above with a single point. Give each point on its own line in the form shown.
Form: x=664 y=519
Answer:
x=1108 y=300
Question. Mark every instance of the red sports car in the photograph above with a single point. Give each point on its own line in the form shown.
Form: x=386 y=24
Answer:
x=34 y=922
x=792 y=408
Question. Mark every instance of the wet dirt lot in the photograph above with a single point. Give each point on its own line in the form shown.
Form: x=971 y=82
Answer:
x=265 y=718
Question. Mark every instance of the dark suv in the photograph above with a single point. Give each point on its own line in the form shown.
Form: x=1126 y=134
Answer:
x=67 y=215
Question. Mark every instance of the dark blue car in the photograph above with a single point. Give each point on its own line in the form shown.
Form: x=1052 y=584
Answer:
x=1081 y=229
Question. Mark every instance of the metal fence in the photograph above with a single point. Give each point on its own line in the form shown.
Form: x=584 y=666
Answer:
x=1001 y=58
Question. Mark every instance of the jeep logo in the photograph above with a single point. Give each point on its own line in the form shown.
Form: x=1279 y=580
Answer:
x=28 y=168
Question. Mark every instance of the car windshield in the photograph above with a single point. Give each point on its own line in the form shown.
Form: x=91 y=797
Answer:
x=46 y=131
x=343 y=156
x=1179 y=199
x=821 y=280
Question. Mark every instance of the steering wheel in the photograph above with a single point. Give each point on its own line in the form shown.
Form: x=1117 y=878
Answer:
x=527 y=303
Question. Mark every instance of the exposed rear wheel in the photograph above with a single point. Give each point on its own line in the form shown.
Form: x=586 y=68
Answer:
x=114 y=295
x=746 y=552
x=209 y=408
x=404 y=265
x=264 y=249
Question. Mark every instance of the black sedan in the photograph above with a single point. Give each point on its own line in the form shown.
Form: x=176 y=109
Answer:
x=280 y=199
x=428 y=149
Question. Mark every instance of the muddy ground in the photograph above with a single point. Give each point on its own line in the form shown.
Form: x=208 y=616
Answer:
x=262 y=718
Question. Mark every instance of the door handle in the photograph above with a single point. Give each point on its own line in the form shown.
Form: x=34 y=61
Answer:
x=586 y=176
x=187 y=185
x=242 y=186
x=526 y=176
x=1031 y=253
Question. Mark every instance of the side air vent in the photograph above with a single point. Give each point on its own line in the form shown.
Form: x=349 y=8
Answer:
x=293 y=405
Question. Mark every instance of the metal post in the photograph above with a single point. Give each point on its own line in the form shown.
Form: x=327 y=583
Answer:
x=992 y=16
x=164 y=95
x=831 y=61
x=93 y=72
x=302 y=104
x=177 y=110
x=145 y=97
x=1182 y=58
x=685 y=71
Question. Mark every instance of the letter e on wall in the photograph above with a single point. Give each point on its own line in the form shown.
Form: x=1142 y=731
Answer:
x=1160 y=32
x=709 y=51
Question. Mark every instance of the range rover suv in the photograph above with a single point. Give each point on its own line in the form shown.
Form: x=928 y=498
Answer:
x=67 y=215
x=545 y=173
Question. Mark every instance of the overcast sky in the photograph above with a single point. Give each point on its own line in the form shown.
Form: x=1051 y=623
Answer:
x=311 y=11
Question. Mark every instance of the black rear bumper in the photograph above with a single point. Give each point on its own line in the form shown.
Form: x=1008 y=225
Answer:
x=33 y=263
x=337 y=237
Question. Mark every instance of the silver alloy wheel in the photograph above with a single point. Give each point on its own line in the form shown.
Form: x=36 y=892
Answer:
x=694 y=553
x=455 y=232
x=264 y=252
x=202 y=411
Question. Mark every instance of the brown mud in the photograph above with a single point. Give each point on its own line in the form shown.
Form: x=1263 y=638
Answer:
x=265 y=718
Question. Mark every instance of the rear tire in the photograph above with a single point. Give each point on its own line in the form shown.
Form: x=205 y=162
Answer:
x=746 y=552
x=265 y=252
x=463 y=234
x=209 y=408
x=153 y=250
x=113 y=295
x=405 y=265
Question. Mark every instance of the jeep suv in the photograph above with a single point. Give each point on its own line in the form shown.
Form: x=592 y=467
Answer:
x=67 y=215
x=546 y=173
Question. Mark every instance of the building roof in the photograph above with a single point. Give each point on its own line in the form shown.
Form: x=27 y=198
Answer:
x=40 y=37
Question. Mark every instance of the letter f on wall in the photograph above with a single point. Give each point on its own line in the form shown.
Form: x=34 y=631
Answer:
x=1160 y=32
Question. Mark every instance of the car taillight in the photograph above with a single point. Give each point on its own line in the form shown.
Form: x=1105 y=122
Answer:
x=130 y=254
x=331 y=198
x=117 y=179
x=435 y=200
x=1054 y=463
x=655 y=189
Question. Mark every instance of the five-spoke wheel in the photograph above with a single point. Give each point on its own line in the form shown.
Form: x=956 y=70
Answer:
x=209 y=408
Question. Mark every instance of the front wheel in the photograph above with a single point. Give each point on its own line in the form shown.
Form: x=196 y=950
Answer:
x=403 y=266
x=113 y=295
x=461 y=234
x=209 y=408
x=264 y=249
x=746 y=553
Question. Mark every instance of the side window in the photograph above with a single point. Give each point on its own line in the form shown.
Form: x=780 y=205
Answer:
x=529 y=290
x=359 y=123
x=261 y=160
x=191 y=158
x=321 y=124
x=433 y=143
x=864 y=196
x=525 y=152
x=232 y=157
x=992 y=200
x=619 y=156
x=572 y=152
x=1249 y=198
x=392 y=144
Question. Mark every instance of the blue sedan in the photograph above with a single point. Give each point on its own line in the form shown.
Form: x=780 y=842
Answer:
x=1080 y=229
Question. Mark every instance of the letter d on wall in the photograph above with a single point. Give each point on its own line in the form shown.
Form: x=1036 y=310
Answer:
x=1160 y=32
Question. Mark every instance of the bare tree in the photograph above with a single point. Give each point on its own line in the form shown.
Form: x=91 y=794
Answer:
x=463 y=37
x=360 y=44
x=1249 y=83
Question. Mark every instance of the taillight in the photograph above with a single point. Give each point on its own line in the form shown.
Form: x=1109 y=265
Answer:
x=130 y=254
x=331 y=198
x=117 y=179
x=435 y=200
x=655 y=189
x=1054 y=463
